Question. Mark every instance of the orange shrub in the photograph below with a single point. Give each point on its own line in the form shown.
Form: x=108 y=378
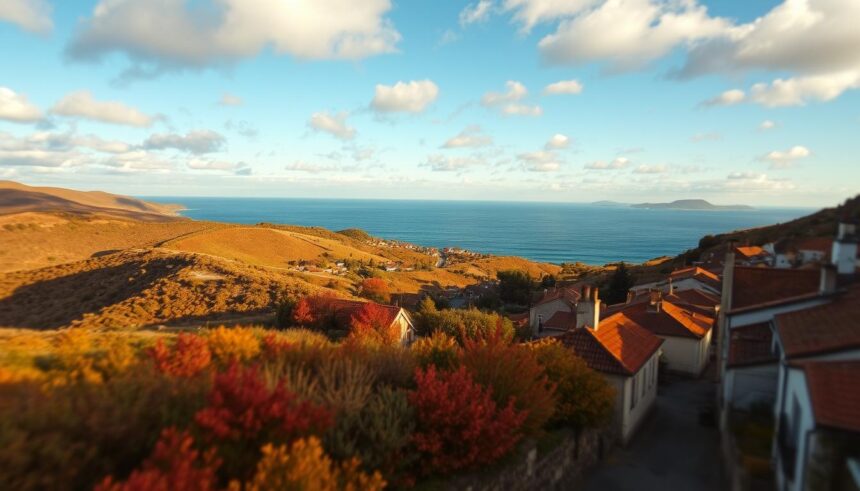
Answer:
x=304 y=465
x=440 y=350
x=188 y=356
x=233 y=344
x=375 y=289
x=372 y=324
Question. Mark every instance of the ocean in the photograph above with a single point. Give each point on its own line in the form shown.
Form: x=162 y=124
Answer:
x=548 y=232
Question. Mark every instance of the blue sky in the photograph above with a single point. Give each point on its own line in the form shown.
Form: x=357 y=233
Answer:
x=734 y=102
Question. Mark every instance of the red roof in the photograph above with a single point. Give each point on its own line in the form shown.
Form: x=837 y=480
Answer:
x=823 y=329
x=750 y=252
x=619 y=346
x=669 y=320
x=761 y=286
x=561 y=320
x=344 y=310
x=568 y=293
x=695 y=297
x=703 y=275
x=751 y=345
x=834 y=388
x=821 y=244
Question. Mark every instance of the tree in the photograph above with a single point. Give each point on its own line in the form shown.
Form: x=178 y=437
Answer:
x=376 y=289
x=427 y=305
x=620 y=283
x=515 y=286
x=548 y=281
x=284 y=312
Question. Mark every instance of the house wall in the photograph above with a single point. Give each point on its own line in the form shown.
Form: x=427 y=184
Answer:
x=746 y=386
x=628 y=416
x=686 y=355
x=811 y=256
x=546 y=310
x=407 y=329
x=796 y=408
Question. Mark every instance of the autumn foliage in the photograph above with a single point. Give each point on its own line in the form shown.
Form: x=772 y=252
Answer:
x=188 y=356
x=372 y=324
x=459 y=424
x=375 y=289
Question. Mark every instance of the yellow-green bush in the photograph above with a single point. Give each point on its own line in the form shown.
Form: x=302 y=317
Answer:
x=230 y=344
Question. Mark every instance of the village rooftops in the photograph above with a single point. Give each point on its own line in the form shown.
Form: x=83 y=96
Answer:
x=561 y=320
x=834 y=389
x=619 y=346
x=820 y=244
x=568 y=293
x=702 y=275
x=754 y=287
x=667 y=319
x=823 y=329
x=751 y=345
x=750 y=252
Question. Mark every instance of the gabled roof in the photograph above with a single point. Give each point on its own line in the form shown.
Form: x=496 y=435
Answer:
x=750 y=252
x=700 y=274
x=618 y=347
x=761 y=286
x=344 y=310
x=669 y=320
x=696 y=298
x=751 y=345
x=834 y=390
x=561 y=320
x=824 y=329
x=568 y=293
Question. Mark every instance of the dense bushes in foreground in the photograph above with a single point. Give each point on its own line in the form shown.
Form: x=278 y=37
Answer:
x=249 y=409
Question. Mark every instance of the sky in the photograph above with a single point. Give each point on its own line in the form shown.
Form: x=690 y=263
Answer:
x=742 y=101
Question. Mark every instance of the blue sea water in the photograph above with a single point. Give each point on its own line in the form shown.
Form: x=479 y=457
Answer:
x=549 y=232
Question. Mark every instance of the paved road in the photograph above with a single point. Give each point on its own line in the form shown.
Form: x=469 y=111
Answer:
x=671 y=451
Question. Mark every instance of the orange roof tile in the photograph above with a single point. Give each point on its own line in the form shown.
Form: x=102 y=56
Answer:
x=344 y=310
x=751 y=345
x=669 y=320
x=698 y=273
x=568 y=293
x=834 y=388
x=826 y=328
x=755 y=286
x=750 y=251
x=619 y=346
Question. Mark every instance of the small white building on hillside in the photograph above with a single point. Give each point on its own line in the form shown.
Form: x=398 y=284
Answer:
x=552 y=302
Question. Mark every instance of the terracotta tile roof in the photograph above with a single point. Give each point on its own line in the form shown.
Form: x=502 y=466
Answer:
x=568 y=293
x=821 y=244
x=695 y=297
x=561 y=320
x=344 y=310
x=750 y=251
x=755 y=286
x=751 y=345
x=834 y=388
x=823 y=329
x=618 y=347
x=669 y=320
x=700 y=274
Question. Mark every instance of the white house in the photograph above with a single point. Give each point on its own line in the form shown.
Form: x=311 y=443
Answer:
x=343 y=312
x=692 y=278
x=552 y=302
x=623 y=351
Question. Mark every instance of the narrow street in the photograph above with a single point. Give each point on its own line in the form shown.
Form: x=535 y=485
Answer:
x=671 y=451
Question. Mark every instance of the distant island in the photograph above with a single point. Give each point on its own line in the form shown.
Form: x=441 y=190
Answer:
x=691 y=204
x=609 y=203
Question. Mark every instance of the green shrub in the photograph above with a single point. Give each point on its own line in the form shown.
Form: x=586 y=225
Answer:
x=466 y=324
x=439 y=350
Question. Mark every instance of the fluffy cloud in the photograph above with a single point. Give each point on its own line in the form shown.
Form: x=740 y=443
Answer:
x=507 y=101
x=531 y=12
x=444 y=163
x=31 y=15
x=469 y=137
x=753 y=182
x=477 y=12
x=614 y=164
x=785 y=159
x=651 y=169
x=412 y=97
x=137 y=161
x=540 y=161
x=727 y=98
x=16 y=108
x=228 y=99
x=557 y=141
x=82 y=104
x=628 y=34
x=302 y=166
x=196 y=142
x=563 y=87
x=767 y=125
x=333 y=124
x=207 y=164
x=797 y=91
x=216 y=31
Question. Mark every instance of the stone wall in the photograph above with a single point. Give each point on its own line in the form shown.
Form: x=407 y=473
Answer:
x=559 y=468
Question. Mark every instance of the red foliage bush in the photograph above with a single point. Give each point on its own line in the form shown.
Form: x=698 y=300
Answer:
x=513 y=373
x=458 y=423
x=376 y=289
x=314 y=311
x=372 y=323
x=189 y=356
x=242 y=407
x=274 y=347
x=173 y=466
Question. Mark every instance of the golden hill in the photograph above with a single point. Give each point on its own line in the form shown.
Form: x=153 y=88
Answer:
x=20 y=198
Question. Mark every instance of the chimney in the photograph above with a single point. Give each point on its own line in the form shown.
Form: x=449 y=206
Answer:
x=828 y=279
x=655 y=302
x=630 y=296
x=844 y=252
x=588 y=309
x=671 y=286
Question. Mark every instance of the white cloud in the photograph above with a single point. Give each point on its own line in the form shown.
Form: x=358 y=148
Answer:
x=651 y=169
x=799 y=90
x=515 y=109
x=469 y=137
x=207 y=164
x=445 y=163
x=753 y=182
x=531 y=12
x=767 y=125
x=629 y=34
x=228 y=99
x=540 y=161
x=100 y=145
x=82 y=104
x=218 y=31
x=30 y=15
x=614 y=164
x=138 y=161
x=557 y=141
x=333 y=124
x=196 y=142
x=477 y=12
x=515 y=92
x=16 y=108
x=785 y=159
x=413 y=97
x=703 y=137
x=302 y=166
x=563 y=87
x=727 y=98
